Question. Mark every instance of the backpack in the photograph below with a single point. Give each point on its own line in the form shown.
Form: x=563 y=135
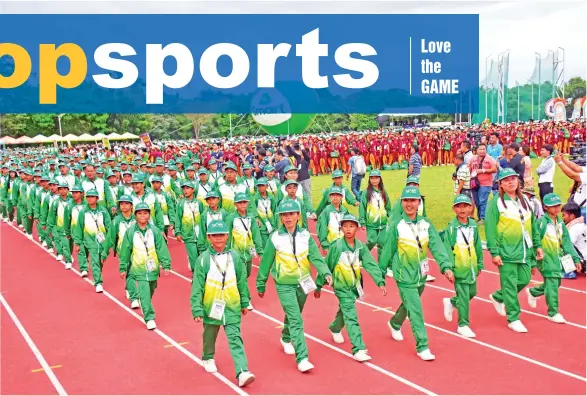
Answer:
x=359 y=166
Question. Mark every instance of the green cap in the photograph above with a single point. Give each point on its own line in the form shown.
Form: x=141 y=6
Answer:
x=138 y=178
x=54 y=181
x=289 y=168
x=462 y=198
x=63 y=185
x=336 y=173
x=349 y=217
x=92 y=193
x=230 y=165
x=212 y=194
x=268 y=168
x=374 y=173
x=507 y=172
x=156 y=179
x=262 y=181
x=335 y=190
x=288 y=206
x=196 y=160
x=202 y=171
x=217 y=227
x=551 y=200
x=247 y=166
x=413 y=179
x=529 y=190
x=241 y=197
x=127 y=172
x=190 y=168
x=187 y=183
x=159 y=161
x=411 y=192
x=142 y=206
x=288 y=182
x=125 y=198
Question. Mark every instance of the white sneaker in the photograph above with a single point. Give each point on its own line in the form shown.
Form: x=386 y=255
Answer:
x=84 y=274
x=99 y=289
x=67 y=266
x=44 y=244
x=287 y=347
x=517 y=326
x=250 y=308
x=59 y=257
x=426 y=355
x=499 y=307
x=389 y=273
x=558 y=318
x=30 y=236
x=245 y=378
x=151 y=325
x=361 y=356
x=466 y=331
x=127 y=295
x=134 y=304
x=448 y=308
x=305 y=365
x=50 y=250
x=430 y=278
x=531 y=299
x=5 y=220
x=21 y=227
x=210 y=366
x=337 y=338
x=395 y=334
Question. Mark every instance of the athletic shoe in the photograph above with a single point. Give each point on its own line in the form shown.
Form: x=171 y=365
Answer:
x=287 y=347
x=531 y=299
x=99 y=289
x=209 y=366
x=134 y=304
x=426 y=355
x=305 y=365
x=30 y=236
x=517 y=326
x=389 y=273
x=337 y=337
x=67 y=266
x=395 y=334
x=448 y=308
x=361 y=356
x=557 y=318
x=84 y=274
x=50 y=250
x=245 y=378
x=250 y=308
x=59 y=257
x=44 y=244
x=466 y=331
x=499 y=307
x=430 y=278
x=151 y=325
x=127 y=295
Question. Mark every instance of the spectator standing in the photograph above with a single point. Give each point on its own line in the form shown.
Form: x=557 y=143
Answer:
x=356 y=178
x=577 y=229
x=528 y=179
x=482 y=168
x=546 y=171
x=462 y=177
x=494 y=148
x=516 y=162
x=415 y=163
x=303 y=165
x=466 y=151
x=280 y=163
x=579 y=175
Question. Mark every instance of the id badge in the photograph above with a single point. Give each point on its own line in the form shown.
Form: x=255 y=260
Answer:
x=166 y=220
x=568 y=264
x=253 y=252
x=151 y=265
x=307 y=284
x=528 y=239
x=217 y=310
x=269 y=227
x=100 y=237
x=360 y=291
x=424 y=268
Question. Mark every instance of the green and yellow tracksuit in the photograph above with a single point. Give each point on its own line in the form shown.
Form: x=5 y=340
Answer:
x=374 y=215
x=188 y=214
x=305 y=206
x=227 y=193
x=249 y=185
x=40 y=200
x=347 y=196
x=45 y=208
x=243 y=235
x=151 y=200
x=506 y=222
x=3 y=203
x=397 y=210
x=201 y=190
x=273 y=188
x=207 y=216
x=328 y=227
x=221 y=276
x=120 y=224
x=264 y=208
x=406 y=251
x=105 y=198
x=91 y=224
x=25 y=206
x=345 y=263
x=59 y=222
x=464 y=242
x=556 y=243
x=142 y=253
x=82 y=256
x=167 y=205
x=14 y=198
x=288 y=258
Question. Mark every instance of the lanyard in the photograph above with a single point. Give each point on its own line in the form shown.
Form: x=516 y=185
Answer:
x=95 y=218
x=222 y=272
x=246 y=228
x=466 y=241
x=265 y=207
x=416 y=235
x=519 y=207
x=192 y=210
x=559 y=237
x=204 y=188
x=352 y=259
x=144 y=240
x=292 y=238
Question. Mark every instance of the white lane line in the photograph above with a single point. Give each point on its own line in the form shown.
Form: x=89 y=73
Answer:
x=46 y=368
x=161 y=334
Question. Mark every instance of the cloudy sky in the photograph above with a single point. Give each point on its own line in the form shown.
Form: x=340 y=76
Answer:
x=522 y=26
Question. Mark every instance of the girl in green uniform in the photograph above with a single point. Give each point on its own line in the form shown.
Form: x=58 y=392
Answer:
x=374 y=210
x=187 y=221
x=329 y=221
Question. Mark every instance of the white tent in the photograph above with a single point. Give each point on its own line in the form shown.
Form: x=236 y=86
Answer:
x=86 y=137
x=99 y=136
x=128 y=135
x=54 y=138
x=114 y=136
x=71 y=137
x=40 y=139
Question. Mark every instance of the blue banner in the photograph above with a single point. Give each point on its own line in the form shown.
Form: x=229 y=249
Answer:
x=260 y=64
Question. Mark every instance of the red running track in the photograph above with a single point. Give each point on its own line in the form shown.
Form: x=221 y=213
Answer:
x=103 y=349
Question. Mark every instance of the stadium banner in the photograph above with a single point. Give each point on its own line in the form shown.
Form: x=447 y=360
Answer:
x=580 y=106
x=106 y=143
x=146 y=139
x=259 y=64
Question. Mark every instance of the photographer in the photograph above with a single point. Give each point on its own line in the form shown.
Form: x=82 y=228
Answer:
x=546 y=171
x=579 y=175
x=303 y=165
x=577 y=229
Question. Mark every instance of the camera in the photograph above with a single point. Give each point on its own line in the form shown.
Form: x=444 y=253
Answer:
x=474 y=137
x=578 y=152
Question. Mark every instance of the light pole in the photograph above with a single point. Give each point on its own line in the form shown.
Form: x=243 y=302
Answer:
x=539 y=80
x=531 y=83
x=60 y=131
x=518 y=84
x=486 y=85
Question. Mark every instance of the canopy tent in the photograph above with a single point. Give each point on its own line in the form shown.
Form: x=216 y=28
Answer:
x=24 y=140
x=54 y=138
x=128 y=135
x=86 y=137
x=71 y=137
x=7 y=140
x=40 y=139
x=115 y=136
x=100 y=136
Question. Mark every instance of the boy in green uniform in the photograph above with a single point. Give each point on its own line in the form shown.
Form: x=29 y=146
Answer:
x=75 y=207
x=92 y=223
x=347 y=195
x=187 y=221
x=461 y=238
x=59 y=222
x=406 y=250
x=142 y=253
x=247 y=180
x=41 y=199
x=51 y=197
x=291 y=193
x=329 y=226
x=212 y=212
x=345 y=258
x=560 y=257
x=220 y=297
x=166 y=203
x=273 y=184
x=264 y=205
x=288 y=254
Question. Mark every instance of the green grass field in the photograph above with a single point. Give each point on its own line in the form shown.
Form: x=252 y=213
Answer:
x=436 y=185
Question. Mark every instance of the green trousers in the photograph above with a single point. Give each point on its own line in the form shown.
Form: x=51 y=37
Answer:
x=96 y=264
x=235 y=344
x=373 y=240
x=347 y=316
x=465 y=293
x=549 y=289
x=411 y=307
x=19 y=214
x=82 y=258
x=3 y=207
x=293 y=299
x=40 y=232
x=49 y=237
x=131 y=287
x=192 y=250
x=146 y=289
x=62 y=244
x=10 y=210
x=513 y=279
